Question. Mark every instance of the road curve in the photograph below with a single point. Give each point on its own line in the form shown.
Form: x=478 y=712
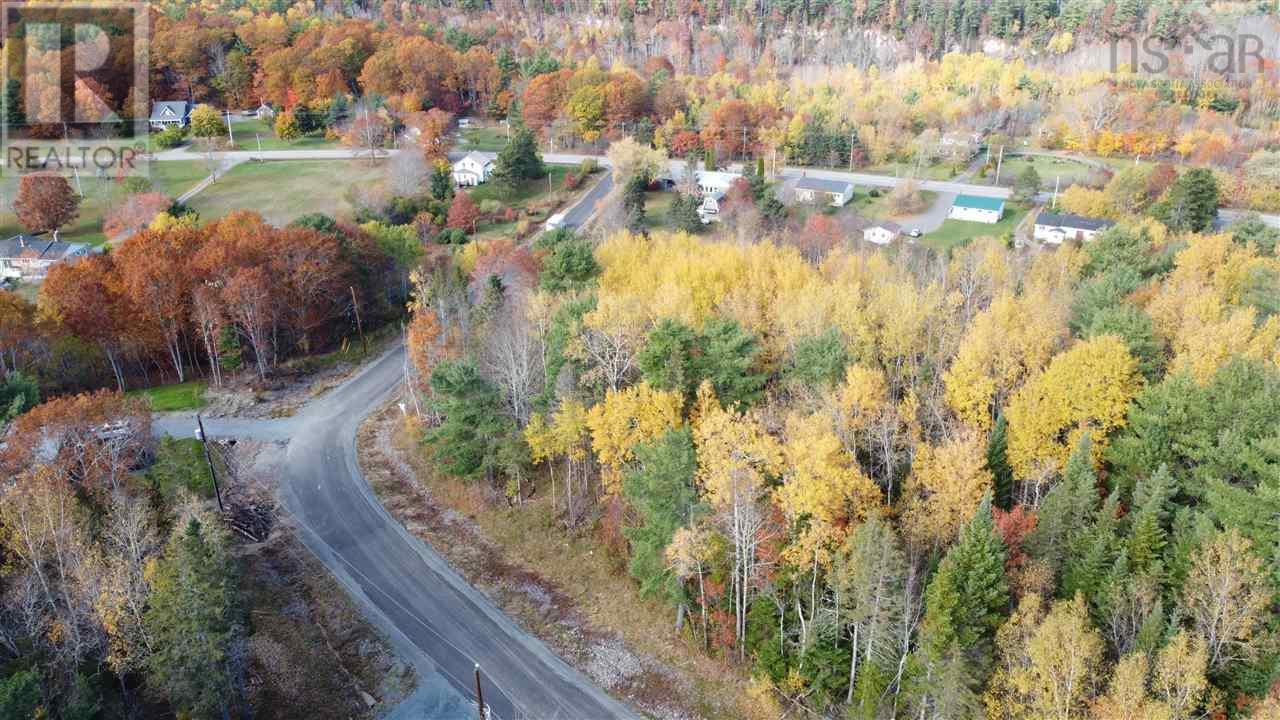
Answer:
x=433 y=616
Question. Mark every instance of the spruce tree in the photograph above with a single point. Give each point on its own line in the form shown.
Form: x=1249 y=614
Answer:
x=190 y=621
x=660 y=488
x=998 y=464
x=466 y=443
x=1067 y=508
x=968 y=596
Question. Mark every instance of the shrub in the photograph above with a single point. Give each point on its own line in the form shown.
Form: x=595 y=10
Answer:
x=170 y=137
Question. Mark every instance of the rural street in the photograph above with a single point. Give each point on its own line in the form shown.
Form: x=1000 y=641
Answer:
x=435 y=619
x=946 y=189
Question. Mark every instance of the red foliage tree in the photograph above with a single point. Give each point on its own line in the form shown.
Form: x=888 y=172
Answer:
x=463 y=213
x=45 y=203
x=134 y=214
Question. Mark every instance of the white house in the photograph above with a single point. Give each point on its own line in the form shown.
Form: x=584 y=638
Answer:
x=882 y=233
x=709 y=210
x=169 y=113
x=473 y=169
x=976 y=208
x=833 y=192
x=1054 y=228
x=29 y=258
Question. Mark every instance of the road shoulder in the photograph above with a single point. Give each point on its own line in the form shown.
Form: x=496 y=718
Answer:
x=565 y=613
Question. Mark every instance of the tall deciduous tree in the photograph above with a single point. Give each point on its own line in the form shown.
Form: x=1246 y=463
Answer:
x=45 y=203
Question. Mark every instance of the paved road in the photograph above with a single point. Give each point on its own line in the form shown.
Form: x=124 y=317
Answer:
x=944 y=188
x=432 y=615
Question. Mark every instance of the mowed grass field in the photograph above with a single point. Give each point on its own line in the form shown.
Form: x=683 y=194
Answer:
x=285 y=190
x=100 y=195
x=1069 y=171
x=168 y=398
x=248 y=134
x=955 y=233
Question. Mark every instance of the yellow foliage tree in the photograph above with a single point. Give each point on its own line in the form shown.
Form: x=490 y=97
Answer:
x=1066 y=655
x=945 y=487
x=625 y=419
x=1085 y=389
x=822 y=489
x=1127 y=696
x=1007 y=342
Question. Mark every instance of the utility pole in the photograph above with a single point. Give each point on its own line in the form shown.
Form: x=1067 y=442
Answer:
x=259 y=137
x=226 y=115
x=999 y=164
x=479 y=695
x=359 y=326
x=204 y=441
x=853 y=139
x=1057 y=179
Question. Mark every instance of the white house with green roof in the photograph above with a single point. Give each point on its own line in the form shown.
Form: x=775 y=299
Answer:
x=976 y=208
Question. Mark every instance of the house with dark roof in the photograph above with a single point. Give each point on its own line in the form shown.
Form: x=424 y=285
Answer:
x=977 y=208
x=170 y=113
x=26 y=257
x=1054 y=228
x=831 y=192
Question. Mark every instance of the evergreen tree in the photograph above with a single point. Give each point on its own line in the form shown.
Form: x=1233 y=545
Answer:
x=1067 y=508
x=998 y=464
x=1191 y=203
x=14 y=115
x=1091 y=553
x=1132 y=325
x=728 y=356
x=1027 y=184
x=572 y=265
x=683 y=213
x=666 y=359
x=441 y=182
x=466 y=443
x=819 y=360
x=20 y=695
x=968 y=595
x=633 y=201
x=518 y=161
x=660 y=488
x=339 y=111
x=190 y=621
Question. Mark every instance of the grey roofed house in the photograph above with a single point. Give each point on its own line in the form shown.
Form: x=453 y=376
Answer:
x=30 y=257
x=1075 y=222
x=170 y=112
x=822 y=185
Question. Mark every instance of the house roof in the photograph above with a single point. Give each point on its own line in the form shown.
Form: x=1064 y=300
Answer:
x=34 y=248
x=478 y=157
x=821 y=185
x=169 y=109
x=979 y=202
x=1075 y=222
x=889 y=225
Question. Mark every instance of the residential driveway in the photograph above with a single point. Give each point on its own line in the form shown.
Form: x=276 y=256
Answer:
x=433 y=617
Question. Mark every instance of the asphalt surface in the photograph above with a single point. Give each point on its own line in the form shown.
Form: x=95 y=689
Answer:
x=927 y=221
x=435 y=619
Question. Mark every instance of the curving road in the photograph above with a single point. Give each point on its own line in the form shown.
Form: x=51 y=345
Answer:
x=436 y=620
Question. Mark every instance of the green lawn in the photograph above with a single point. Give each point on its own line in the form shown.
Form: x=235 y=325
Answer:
x=877 y=208
x=528 y=191
x=100 y=195
x=284 y=190
x=955 y=233
x=938 y=171
x=167 y=398
x=1070 y=171
x=657 y=208
x=490 y=139
x=248 y=133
